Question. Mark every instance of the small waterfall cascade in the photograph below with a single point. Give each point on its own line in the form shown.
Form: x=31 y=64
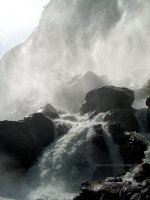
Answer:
x=117 y=160
x=141 y=116
x=68 y=161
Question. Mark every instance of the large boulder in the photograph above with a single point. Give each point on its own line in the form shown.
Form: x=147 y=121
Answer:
x=131 y=144
x=23 y=141
x=42 y=128
x=126 y=119
x=17 y=142
x=106 y=99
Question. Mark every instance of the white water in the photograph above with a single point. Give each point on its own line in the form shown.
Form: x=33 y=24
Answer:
x=68 y=161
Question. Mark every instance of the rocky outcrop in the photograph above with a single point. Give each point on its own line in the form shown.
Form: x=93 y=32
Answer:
x=131 y=144
x=106 y=99
x=126 y=119
x=115 y=189
x=24 y=140
x=107 y=191
x=50 y=111
x=42 y=128
x=17 y=142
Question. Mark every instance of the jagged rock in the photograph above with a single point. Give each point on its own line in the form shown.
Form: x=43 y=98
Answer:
x=126 y=119
x=131 y=144
x=109 y=190
x=106 y=99
x=50 y=111
x=23 y=141
x=142 y=173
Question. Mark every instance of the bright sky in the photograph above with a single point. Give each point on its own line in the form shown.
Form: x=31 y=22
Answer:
x=18 y=18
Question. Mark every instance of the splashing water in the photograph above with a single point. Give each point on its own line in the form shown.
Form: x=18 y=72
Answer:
x=69 y=160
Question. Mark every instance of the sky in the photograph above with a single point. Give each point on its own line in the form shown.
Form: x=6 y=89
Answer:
x=18 y=18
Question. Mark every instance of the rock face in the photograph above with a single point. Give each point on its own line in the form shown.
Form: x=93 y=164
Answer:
x=23 y=141
x=17 y=141
x=114 y=188
x=42 y=128
x=106 y=99
x=126 y=119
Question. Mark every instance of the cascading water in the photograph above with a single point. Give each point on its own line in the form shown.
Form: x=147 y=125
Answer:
x=141 y=115
x=69 y=160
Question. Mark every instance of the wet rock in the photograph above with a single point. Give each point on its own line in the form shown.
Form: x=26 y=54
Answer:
x=142 y=173
x=126 y=119
x=18 y=143
x=42 y=128
x=131 y=144
x=50 y=111
x=98 y=139
x=113 y=179
x=109 y=190
x=61 y=129
x=136 y=196
x=106 y=99
x=23 y=141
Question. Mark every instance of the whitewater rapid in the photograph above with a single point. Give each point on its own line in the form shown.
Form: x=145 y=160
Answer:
x=68 y=161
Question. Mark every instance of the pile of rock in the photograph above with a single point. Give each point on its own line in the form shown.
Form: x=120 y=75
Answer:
x=115 y=188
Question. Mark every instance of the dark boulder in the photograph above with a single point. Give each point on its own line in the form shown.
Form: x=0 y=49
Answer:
x=17 y=142
x=50 y=111
x=142 y=173
x=106 y=99
x=131 y=144
x=126 y=119
x=23 y=141
x=42 y=128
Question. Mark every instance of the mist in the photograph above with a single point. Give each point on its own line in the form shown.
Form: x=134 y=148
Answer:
x=108 y=37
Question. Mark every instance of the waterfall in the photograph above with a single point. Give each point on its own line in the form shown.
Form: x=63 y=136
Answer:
x=117 y=160
x=68 y=161
x=141 y=116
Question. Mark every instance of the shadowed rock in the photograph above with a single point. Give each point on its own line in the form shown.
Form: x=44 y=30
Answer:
x=106 y=99
x=23 y=141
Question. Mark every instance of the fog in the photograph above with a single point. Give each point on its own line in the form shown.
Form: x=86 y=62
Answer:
x=107 y=37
